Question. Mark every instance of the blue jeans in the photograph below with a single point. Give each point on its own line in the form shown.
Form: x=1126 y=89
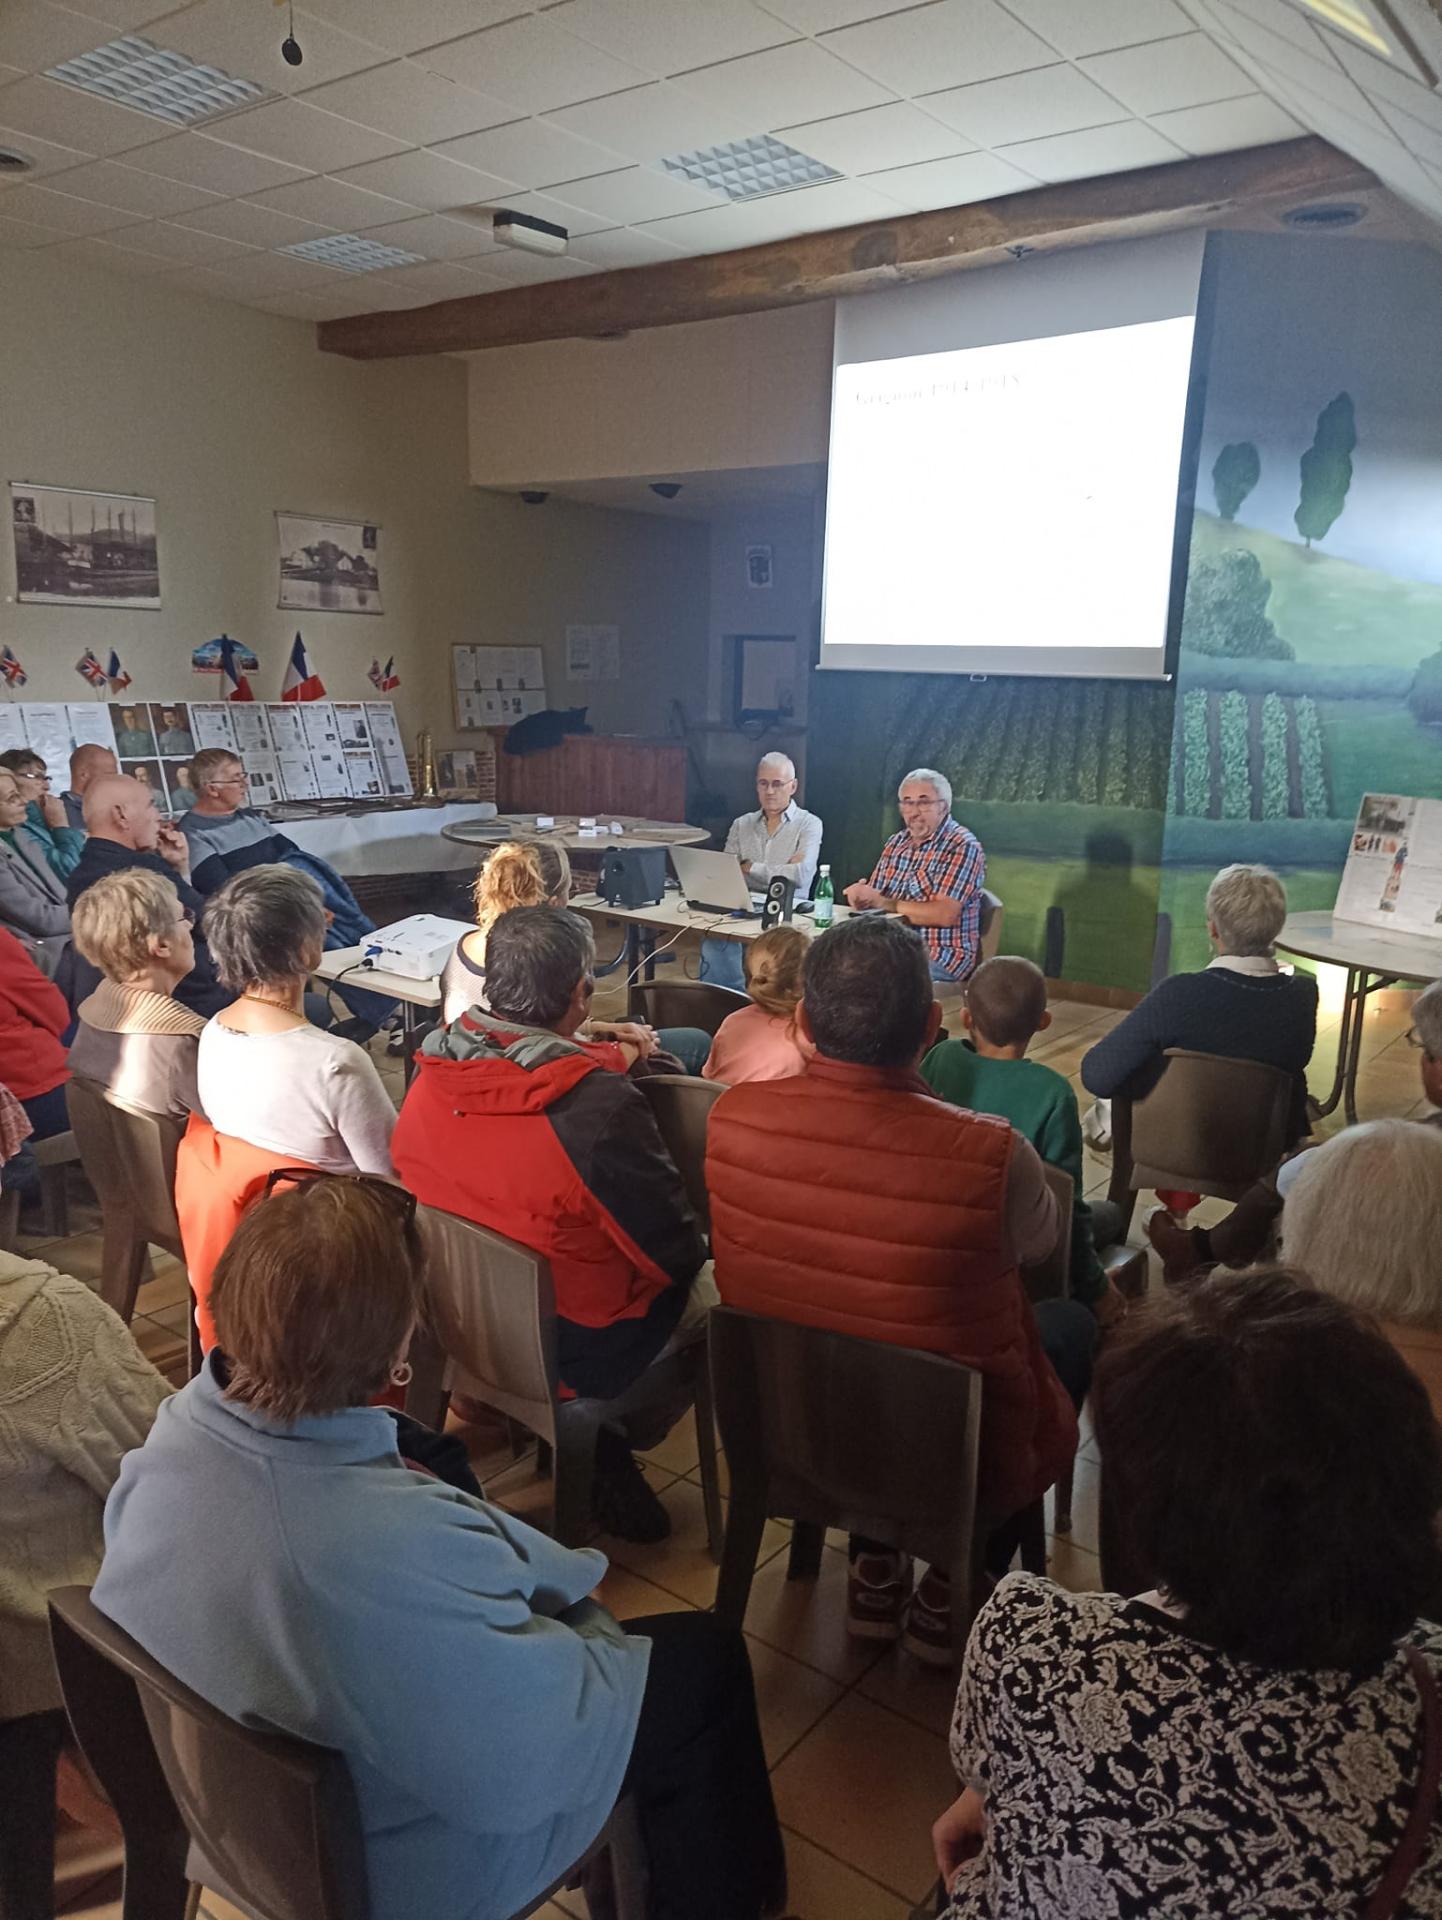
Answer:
x=939 y=972
x=690 y=1045
x=721 y=963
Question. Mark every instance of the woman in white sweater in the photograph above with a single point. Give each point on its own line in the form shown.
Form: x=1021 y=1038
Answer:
x=75 y=1396
x=265 y=1074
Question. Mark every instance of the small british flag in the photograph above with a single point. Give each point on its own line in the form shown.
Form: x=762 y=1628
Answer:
x=11 y=670
x=90 y=669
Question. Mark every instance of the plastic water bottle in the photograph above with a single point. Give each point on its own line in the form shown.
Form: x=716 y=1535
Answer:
x=824 y=895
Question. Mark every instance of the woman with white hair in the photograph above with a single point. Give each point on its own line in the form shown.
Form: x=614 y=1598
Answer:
x=1363 y=1220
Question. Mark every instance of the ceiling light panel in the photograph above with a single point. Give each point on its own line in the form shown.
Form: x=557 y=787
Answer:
x=134 y=72
x=352 y=253
x=749 y=169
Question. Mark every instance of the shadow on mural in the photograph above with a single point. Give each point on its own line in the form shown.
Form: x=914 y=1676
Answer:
x=1311 y=661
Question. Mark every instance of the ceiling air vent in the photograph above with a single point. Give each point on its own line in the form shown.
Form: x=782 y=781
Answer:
x=1328 y=217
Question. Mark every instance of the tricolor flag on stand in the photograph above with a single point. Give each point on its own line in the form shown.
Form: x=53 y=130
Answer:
x=11 y=671
x=300 y=682
x=90 y=670
x=117 y=676
x=390 y=679
x=231 y=670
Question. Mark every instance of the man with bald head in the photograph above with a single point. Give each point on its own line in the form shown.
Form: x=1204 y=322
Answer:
x=89 y=763
x=779 y=838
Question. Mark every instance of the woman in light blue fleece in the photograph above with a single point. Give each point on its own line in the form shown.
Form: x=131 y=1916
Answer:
x=269 y=1546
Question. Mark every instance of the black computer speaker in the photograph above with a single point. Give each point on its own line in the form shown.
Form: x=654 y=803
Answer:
x=776 y=908
x=633 y=876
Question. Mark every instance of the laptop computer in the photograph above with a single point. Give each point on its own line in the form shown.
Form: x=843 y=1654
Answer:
x=713 y=882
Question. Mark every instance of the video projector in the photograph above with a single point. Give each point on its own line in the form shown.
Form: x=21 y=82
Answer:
x=417 y=948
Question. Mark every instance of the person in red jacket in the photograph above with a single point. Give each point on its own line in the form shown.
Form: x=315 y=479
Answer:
x=850 y=1198
x=33 y=1016
x=513 y=1123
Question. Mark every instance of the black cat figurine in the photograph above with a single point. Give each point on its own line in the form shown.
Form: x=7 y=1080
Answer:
x=548 y=728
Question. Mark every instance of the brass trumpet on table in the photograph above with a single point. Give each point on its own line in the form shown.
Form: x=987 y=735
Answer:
x=425 y=765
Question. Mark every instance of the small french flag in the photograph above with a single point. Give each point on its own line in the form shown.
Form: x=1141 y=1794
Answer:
x=230 y=669
x=117 y=676
x=300 y=682
x=390 y=679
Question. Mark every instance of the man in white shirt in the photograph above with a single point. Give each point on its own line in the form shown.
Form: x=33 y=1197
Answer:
x=779 y=838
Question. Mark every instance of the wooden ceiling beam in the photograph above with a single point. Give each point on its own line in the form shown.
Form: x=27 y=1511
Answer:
x=850 y=260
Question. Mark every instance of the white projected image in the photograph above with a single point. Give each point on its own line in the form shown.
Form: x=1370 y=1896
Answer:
x=1021 y=496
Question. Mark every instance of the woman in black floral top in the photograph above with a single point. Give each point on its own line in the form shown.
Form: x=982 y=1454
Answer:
x=1248 y=1740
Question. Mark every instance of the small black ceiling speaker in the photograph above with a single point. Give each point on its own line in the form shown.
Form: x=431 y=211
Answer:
x=291 y=51
x=667 y=489
x=534 y=497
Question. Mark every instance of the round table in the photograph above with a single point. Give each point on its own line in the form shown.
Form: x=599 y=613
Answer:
x=567 y=832
x=1373 y=958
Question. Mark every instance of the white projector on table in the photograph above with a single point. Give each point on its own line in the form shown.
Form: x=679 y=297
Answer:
x=417 y=948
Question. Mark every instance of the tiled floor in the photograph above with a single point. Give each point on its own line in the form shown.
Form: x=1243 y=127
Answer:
x=856 y=1735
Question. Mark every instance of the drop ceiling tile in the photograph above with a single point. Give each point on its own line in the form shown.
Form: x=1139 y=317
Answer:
x=7 y=74
x=800 y=81
x=405 y=25
x=182 y=246
x=624 y=247
x=636 y=194
x=1275 y=60
x=717 y=229
x=672 y=36
x=63 y=213
x=820 y=16
x=146 y=195
x=199 y=161
x=245 y=40
x=898 y=135
x=435 y=282
x=1025 y=106
x=948 y=43
x=435 y=237
x=533 y=153
x=21 y=233
x=1420 y=137
x=74 y=119
x=46 y=154
x=1282 y=18
x=115 y=258
x=35 y=35
x=333 y=203
x=1388 y=85
x=546 y=206
x=950 y=183
x=834 y=203
x=426 y=180
x=534 y=63
x=127 y=15
x=1189 y=71
x=253 y=225
x=1226 y=125
x=305 y=136
x=412 y=103
x=1076 y=156
x=646 y=122
x=530 y=269
x=274 y=273
x=1077 y=27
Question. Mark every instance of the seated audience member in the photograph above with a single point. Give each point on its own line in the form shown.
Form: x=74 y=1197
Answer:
x=75 y=1397
x=930 y=874
x=779 y=838
x=488 y=1709
x=18 y=1171
x=89 y=763
x=45 y=822
x=1240 y=1006
x=33 y=1017
x=265 y=1074
x=32 y=897
x=1247 y=1738
x=763 y=1041
x=227 y=837
x=893 y=1216
x=127 y=831
x=134 y=1038
x=515 y=1124
x=990 y=1073
x=1363 y=1220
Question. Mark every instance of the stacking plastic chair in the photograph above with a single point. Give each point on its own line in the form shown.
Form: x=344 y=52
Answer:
x=993 y=917
x=1209 y=1125
x=52 y=1157
x=682 y=1107
x=129 y=1157
x=831 y=1431
x=9 y=1221
x=684 y=1003
x=1050 y=1278
x=493 y=1339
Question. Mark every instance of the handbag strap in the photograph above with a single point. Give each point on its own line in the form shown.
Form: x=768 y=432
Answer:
x=1415 y=1835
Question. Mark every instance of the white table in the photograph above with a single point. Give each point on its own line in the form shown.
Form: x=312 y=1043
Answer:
x=566 y=832
x=672 y=916
x=416 y=997
x=1373 y=959
x=411 y=839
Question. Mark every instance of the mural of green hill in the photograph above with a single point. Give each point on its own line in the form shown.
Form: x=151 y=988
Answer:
x=1331 y=610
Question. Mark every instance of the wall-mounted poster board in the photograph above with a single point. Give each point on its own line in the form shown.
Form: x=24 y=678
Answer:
x=1393 y=875
x=496 y=686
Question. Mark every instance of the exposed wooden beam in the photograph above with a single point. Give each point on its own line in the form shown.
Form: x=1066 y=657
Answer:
x=824 y=266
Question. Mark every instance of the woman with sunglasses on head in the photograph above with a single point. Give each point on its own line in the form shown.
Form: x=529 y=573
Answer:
x=45 y=827
x=489 y=1710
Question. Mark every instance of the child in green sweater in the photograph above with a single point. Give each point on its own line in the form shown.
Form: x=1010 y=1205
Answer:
x=989 y=1073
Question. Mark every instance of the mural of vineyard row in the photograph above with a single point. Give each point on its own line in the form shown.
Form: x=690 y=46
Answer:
x=1248 y=756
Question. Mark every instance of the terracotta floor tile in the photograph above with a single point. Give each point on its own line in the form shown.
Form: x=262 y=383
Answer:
x=913 y=1689
x=161 y=1345
x=629 y=1597
x=79 y=1256
x=807 y=1618
x=682 y=1564
x=678 y=1453
x=824 y=1888
x=790 y=1698
x=168 y=1286
x=1073 y=1567
x=866 y=1785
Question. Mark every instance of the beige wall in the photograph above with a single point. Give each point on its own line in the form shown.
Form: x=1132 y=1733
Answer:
x=225 y=414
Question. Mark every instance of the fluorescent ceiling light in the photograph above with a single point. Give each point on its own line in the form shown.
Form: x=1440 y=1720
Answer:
x=749 y=169
x=136 y=73
x=1376 y=25
x=351 y=252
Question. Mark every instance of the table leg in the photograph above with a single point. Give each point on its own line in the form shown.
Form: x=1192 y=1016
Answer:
x=1351 y=1017
x=410 y=1022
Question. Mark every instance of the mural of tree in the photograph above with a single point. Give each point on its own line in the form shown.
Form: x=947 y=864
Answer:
x=1226 y=609
x=1327 y=469
x=1425 y=699
x=1235 y=471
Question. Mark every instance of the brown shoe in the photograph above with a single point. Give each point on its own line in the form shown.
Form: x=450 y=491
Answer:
x=1182 y=1255
x=877 y=1588
x=927 y=1631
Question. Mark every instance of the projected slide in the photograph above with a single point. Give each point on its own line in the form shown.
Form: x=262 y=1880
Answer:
x=1008 y=508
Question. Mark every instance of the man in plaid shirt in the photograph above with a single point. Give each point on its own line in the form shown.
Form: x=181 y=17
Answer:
x=931 y=874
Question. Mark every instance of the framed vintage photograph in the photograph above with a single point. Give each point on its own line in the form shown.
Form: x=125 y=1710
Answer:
x=75 y=548
x=328 y=565
x=170 y=723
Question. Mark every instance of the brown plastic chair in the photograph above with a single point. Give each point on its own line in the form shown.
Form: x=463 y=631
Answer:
x=993 y=916
x=831 y=1431
x=682 y=1107
x=9 y=1221
x=685 y=1003
x=1209 y=1125
x=493 y=1314
x=129 y=1156
x=52 y=1157
x=1050 y=1278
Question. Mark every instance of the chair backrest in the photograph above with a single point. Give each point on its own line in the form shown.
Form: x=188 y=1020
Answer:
x=850 y=1433
x=685 y=1003
x=1210 y=1125
x=1050 y=1278
x=682 y=1107
x=274 y=1817
x=129 y=1157
x=993 y=915
x=493 y=1309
